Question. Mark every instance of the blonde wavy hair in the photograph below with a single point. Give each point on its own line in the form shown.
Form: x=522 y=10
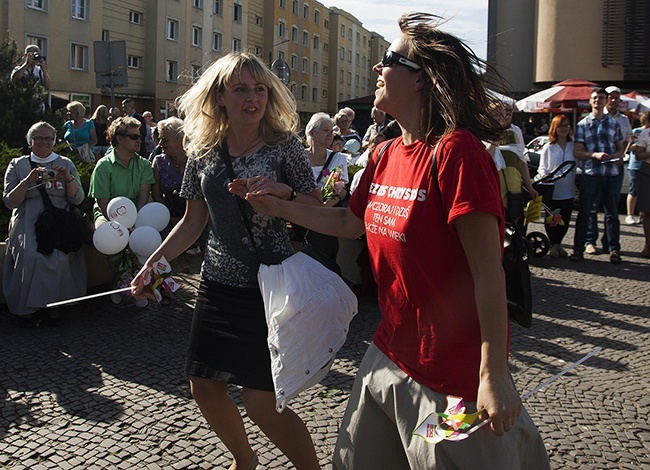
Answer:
x=206 y=123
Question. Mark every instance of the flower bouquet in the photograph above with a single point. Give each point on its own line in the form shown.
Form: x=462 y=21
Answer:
x=334 y=184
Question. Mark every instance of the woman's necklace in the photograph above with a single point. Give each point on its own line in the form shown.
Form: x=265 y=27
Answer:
x=241 y=154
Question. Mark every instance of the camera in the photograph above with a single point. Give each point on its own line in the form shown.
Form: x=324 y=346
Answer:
x=49 y=173
x=37 y=57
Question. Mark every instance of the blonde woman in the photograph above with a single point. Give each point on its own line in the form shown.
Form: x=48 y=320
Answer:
x=239 y=105
x=79 y=132
x=100 y=120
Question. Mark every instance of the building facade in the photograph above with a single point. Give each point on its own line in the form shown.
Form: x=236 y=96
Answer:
x=329 y=55
x=534 y=44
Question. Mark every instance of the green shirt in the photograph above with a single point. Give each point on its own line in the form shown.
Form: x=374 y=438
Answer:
x=111 y=178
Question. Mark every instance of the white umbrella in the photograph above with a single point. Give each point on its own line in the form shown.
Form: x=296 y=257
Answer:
x=500 y=96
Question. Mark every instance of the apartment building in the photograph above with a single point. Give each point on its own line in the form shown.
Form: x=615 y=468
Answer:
x=534 y=44
x=169 y=43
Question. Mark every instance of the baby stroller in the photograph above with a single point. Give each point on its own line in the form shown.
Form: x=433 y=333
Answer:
x=538 y=242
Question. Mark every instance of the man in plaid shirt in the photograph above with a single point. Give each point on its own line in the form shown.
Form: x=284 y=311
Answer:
x=599 y=144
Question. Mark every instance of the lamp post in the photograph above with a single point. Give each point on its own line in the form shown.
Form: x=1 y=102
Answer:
x=279 y=66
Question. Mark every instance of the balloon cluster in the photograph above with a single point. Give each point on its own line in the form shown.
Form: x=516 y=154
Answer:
x=113 y=236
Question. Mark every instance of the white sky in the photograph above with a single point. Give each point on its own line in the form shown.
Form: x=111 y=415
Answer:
x=467 y=19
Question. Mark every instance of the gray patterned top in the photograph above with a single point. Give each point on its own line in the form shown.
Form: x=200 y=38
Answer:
x=229 y=258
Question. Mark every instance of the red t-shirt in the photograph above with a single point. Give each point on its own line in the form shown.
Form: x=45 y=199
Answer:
x=429 y=325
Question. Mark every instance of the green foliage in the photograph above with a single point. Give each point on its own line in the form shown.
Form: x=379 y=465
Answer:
x=85 y=170
x=22 y=99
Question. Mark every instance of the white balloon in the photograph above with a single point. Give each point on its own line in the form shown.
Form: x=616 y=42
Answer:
x=110 y=237
x=154 y=214
x=122 y=210
x=144 y=241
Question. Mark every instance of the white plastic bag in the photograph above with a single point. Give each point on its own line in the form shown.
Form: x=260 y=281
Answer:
x=308 y=312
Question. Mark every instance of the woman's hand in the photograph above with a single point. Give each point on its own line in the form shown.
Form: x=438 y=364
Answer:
x=37 y=174
x=499 y=400
x=259 y=185
x=62 y=172
x=140 y=288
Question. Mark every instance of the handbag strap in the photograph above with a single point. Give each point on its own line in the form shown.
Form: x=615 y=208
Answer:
x=242 y=208
x=325 y=167
x=46 y=197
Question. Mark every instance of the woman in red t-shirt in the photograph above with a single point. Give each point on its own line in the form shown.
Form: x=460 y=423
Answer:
x=434 y=232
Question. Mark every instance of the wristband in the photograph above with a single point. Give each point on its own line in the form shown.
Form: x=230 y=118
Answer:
x=68 y=181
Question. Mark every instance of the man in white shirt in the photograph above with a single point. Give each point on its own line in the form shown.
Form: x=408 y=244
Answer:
x=33 y=67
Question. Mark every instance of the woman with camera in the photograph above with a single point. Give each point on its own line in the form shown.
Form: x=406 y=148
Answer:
x=31 y=279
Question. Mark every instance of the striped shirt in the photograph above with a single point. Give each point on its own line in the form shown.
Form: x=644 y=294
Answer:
x=599 y=136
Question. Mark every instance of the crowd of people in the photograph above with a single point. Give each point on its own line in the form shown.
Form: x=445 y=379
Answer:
x=234 y=173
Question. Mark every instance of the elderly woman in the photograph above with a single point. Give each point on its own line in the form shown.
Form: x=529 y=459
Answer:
x=168 y=168
x=343 y=122
x=240 y=111
x=122 y=172
x=432 y=213
x=31 y=279
x=80 y=132
x=324 y=162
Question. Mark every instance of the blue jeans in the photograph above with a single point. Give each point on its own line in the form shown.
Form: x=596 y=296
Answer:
x=590 y=188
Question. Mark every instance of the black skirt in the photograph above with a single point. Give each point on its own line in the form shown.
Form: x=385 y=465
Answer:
x=228 y=341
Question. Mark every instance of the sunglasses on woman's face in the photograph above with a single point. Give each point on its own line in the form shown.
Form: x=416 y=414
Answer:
x=133 y=136
x=393 y=58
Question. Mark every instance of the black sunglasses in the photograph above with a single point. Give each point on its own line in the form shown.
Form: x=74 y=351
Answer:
x=391 y=58
x=133 y=136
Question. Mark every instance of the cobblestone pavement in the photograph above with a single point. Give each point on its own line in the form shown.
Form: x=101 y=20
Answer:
x=107 y=388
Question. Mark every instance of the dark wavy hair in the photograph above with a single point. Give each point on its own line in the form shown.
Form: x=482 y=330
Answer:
x=456 y=97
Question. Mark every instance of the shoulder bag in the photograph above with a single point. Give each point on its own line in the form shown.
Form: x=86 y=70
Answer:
x=308 y=309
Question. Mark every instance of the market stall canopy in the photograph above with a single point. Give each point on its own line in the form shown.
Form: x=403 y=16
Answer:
x=569 y=95
x=642 y=102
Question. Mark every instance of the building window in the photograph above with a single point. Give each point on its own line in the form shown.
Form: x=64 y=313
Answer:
x=365 y=40
x=217 y=41
x=283 y=4
x=134 y=62
x=294 y=33
x=258 y=21
x=350 y=55
x=78 y=57
x=196 y=72
x=365 y=61
x=236 y=45
x=314 y=94
x=358 y=37
x=294 y=89
x=324 y=93
x=324 y=69
x=173 y=28
x=356 y=80
x=326 y=24
x=305 y=11
x=342 y=30
x=356 y=59
x=197 y=4
x=326 y=47
x=218 y=7
x=294 y=7
x=305 y=65
x=79 y=9
x=281 y=55
x=197 y=36
x=341 y=75
x=363 y=82
x=135 y=17
x=238 y=12
x=282 y=28
x=316 y=16
x=36 y=4
x=349 y=78
x=172 y=71
x=314 y=69
x=350 y=34
x=305 y=38
x=294 y=61
x=316 y=42
x=340 y=96
x=342 y=53
x=303 y=92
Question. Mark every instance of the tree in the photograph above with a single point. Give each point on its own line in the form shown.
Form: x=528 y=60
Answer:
x=24 y=99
